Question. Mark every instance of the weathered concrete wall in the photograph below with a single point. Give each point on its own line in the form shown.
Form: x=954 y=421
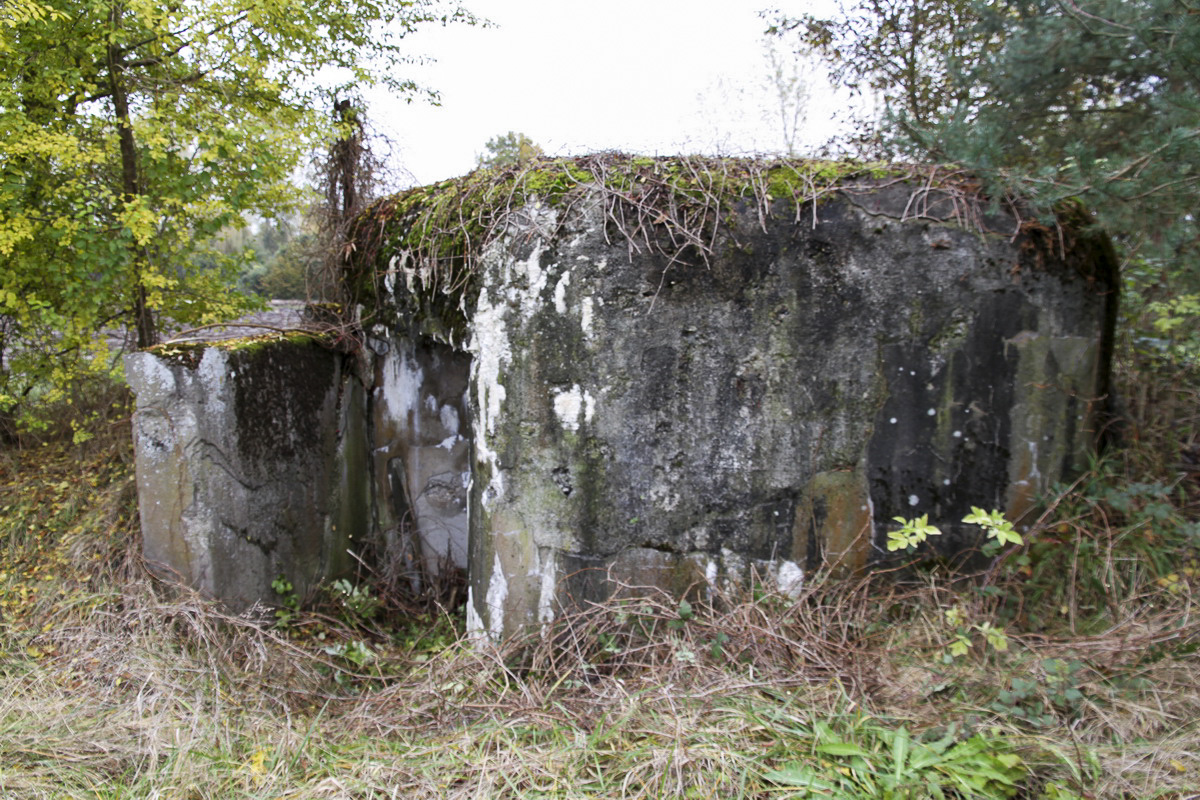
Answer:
x=642 y=417
x=251 y=464
x=420 y=449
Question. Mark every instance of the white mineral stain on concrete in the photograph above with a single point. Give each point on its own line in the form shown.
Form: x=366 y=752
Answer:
x=663 y=496
x=400 y=389
x=497 y=593
x=560 y=293
x=211 y=370
x=154 y=380
x=529 y=298
x=586 y=312
x=549 y=575
x=475 y=627
x=490 y=353
x=735 y=567
x=389 y=275
x=399 y=265
x=790 y=579
x=870 y=517
x=710 y=574
x=448 y=415
x=569 y=406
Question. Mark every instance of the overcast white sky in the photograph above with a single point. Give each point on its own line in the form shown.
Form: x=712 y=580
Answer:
x=646 y=76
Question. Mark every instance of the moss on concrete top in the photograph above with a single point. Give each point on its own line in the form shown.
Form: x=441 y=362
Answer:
x=416 y=253
x=189 y=353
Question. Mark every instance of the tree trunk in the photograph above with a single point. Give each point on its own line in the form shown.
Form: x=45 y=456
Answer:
x=143 y=315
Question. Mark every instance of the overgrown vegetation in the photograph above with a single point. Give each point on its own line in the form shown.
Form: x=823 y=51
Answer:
x=135 y=134
x=1068 y=669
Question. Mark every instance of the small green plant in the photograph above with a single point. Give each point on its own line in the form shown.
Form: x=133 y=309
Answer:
x=914 y=532
x=1000 y=531
x=1062 y=684
x=289 y=601
x=609 y=646
x=716 y=647
x=686 y=615
x=357 y=602
x=879 y=762
x=993 y=637
x=357 y=652
x=1041 y=703
x=1023 y=701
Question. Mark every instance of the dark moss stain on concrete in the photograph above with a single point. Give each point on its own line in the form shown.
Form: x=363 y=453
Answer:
x=281 y=391
x=912 y=469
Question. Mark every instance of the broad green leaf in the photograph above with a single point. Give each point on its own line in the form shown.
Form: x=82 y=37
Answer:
x=842 y=749
x=802 y=776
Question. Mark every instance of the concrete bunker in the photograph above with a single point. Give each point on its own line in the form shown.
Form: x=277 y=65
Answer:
x=613 y=371
x=251 y=464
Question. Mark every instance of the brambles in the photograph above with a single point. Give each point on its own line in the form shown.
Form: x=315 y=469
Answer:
x=1041 y=703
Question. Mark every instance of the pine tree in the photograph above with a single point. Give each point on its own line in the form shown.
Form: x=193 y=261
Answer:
x=1096 y=101
x=1091 y=99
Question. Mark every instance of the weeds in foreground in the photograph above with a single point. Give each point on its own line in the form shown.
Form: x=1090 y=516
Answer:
x=113 y=685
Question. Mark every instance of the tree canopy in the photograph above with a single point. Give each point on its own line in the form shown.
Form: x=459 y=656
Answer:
x=508 y=150
x=899 y=56
x=134 y=131
x=1097 y=99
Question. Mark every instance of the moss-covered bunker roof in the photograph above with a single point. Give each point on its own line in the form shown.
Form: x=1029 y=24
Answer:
x=671 y=205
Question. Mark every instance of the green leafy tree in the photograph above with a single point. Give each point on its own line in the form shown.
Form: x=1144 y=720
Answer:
x=293 y=272
x=134 y=131
x=901 y=56
x=508 y=150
